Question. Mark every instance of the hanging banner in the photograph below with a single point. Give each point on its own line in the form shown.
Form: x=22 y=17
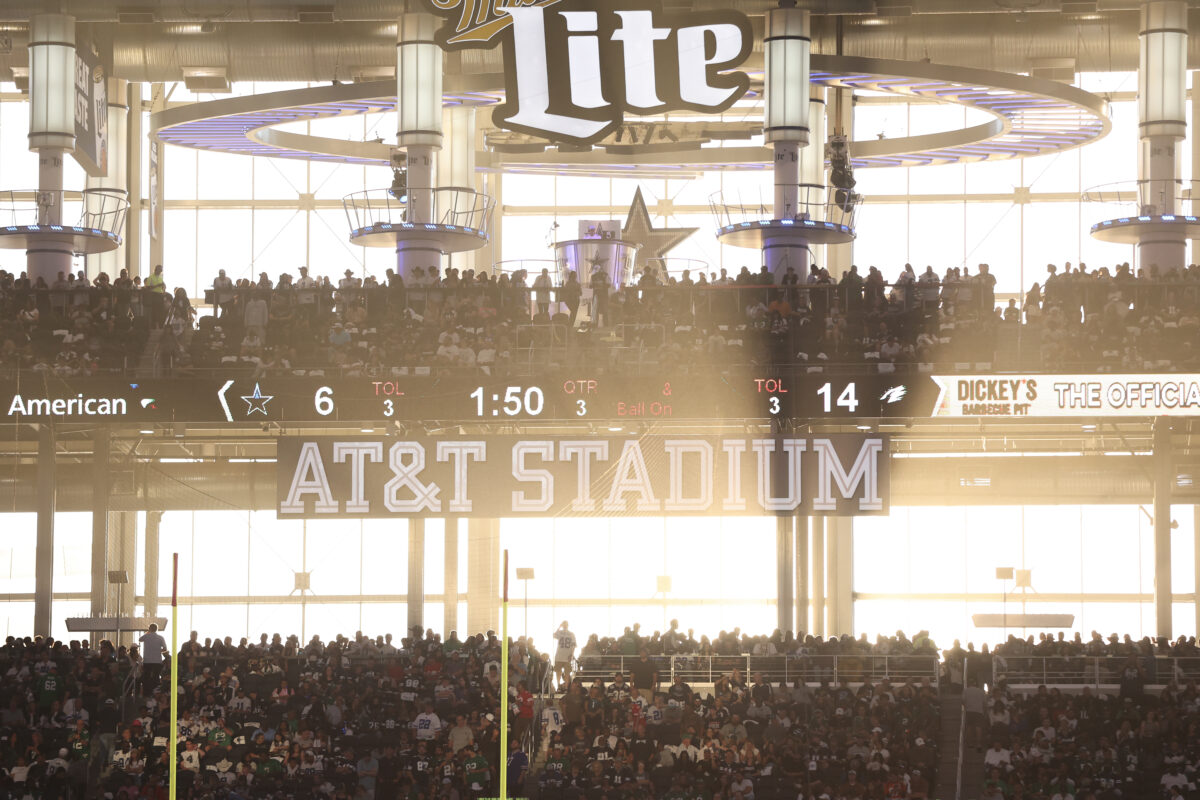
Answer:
x=91 y=107
x=573 y=68
x=506 y=476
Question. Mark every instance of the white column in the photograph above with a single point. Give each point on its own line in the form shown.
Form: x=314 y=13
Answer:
x=817 y=568
x=51 y=131
x=416 y=573
x=812 y=170
x=456 y=164
x=786 y=126
x=1161 y=122
x=419 y=112
x=1195 y=186
x=117 y=178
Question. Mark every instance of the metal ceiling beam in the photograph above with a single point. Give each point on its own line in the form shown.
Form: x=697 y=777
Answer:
x=210 y=34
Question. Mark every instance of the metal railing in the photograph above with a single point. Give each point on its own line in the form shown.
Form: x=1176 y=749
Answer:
x=813 y=202
x=1094 y=671
x=463 y=208
x=706 y=669
x=1147 y=196
x=670 y=267
x=102 y=210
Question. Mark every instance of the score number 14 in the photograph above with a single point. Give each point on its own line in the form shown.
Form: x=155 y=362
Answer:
x=847 y=399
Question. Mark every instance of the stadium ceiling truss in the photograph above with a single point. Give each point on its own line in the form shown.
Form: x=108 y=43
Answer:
x=1030 y=117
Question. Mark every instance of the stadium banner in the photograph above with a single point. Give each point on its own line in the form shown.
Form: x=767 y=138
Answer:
x=654 y=475
x=91 y=106
x=1067 y=395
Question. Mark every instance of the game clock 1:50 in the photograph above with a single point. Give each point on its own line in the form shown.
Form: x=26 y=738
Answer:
x=515 y=401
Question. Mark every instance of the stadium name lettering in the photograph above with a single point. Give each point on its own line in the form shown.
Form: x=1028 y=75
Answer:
x=77 y=406
x=685 y=475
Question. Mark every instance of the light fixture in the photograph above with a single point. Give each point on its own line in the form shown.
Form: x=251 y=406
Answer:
x=367 y=429
x=146 y=431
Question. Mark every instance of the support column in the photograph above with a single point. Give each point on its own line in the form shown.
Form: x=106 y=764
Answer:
x=117 y=178
x=51 y=132
x=786 y=54
x=1195 y=185
x=1163 y=478
x=416 y=574
x=840 y=585
x=785 y=612
x=483 y=575
x=456 y=165
x=450 y=605
x=43 y=571
x=100 y=493
x=802 y=580
x=122 y=557
x=135 y=137
x=157 y=184
x=419 y=132
x=1196 y=564
x=1162 y=76
x=150 y=593
x=818 y=575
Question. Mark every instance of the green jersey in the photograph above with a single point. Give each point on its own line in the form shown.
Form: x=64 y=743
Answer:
x=478 y=771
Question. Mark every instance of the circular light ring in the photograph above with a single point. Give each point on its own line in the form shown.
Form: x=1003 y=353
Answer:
x=1033 y=117
x=1136 y=227
x=447 y=238
x=753 y=233
x=83 y=241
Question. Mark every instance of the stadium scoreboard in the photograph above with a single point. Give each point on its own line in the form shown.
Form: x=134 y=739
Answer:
x=579 y=397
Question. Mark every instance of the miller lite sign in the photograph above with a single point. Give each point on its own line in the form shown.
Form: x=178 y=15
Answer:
x=573 y=68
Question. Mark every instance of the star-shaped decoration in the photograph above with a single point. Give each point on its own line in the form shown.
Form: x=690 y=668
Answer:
x=597 y=262
x=655 y=242
x=257 y=401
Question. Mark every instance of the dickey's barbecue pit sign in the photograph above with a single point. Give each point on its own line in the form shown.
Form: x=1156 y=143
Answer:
x=572 y=68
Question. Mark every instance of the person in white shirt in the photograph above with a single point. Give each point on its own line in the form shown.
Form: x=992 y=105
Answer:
x=998 y=756
x=154 y=647
x=564 y=653
x=552 y=721
x=306 y=293
x=222 y=292
x=427 y=724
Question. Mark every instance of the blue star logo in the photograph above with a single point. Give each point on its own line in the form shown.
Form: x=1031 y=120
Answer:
x=257 y=401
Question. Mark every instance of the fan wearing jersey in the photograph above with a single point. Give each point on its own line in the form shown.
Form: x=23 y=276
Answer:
x=552 y=722
x=564 y=653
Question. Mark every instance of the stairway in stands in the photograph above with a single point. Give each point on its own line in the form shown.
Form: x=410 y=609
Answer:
x=972 y=768
x=147 y=364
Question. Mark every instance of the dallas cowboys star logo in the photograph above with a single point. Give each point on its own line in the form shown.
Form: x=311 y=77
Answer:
x=257 y=401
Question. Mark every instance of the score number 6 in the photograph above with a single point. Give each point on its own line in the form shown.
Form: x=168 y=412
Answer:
x=323 y=401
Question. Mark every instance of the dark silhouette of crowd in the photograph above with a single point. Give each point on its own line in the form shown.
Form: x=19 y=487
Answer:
x=1076 y=319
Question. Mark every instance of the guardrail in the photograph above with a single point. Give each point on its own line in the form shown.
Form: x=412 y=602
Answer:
x=698 y=669
x=463 y=208
x=1148 y=195
x=99 y=209
x=813 y=202
x=1094 y=671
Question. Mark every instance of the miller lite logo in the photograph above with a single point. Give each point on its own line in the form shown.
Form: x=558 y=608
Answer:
x=573 y=68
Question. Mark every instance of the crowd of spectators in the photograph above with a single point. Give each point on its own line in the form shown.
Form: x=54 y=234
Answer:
x=371 y=718
x=1074 y=319
x=1073 y=741
x=368 y=718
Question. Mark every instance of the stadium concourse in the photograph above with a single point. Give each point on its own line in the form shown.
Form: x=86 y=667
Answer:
x=747 y=400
